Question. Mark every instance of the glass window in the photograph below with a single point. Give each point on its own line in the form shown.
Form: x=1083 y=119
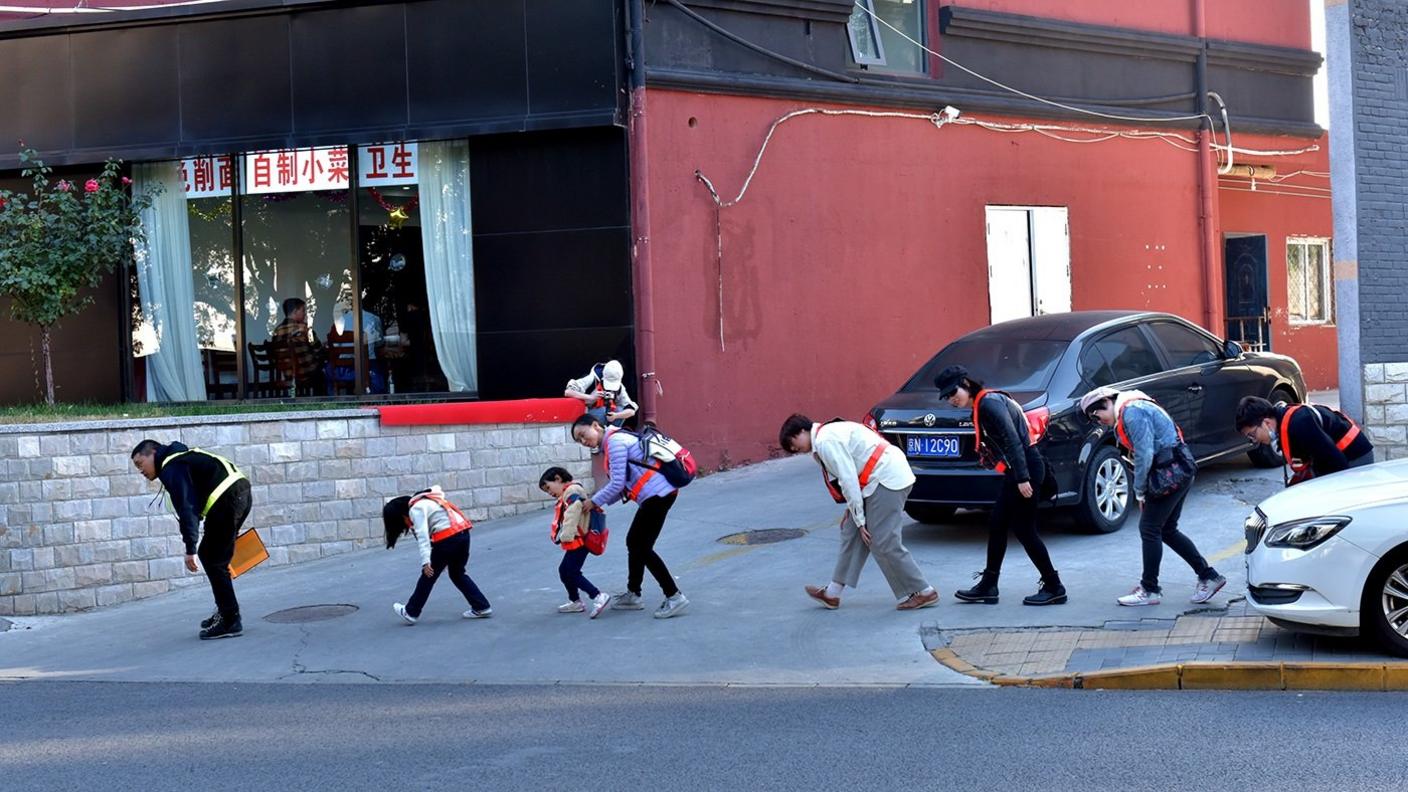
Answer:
x=1017 y=364
x=397 y=343
x=1310 y=298
x=296 y=226
x=1120 y=356
x=185 y=354
x=1185 y=347
x=330 y=306
x=889 y=41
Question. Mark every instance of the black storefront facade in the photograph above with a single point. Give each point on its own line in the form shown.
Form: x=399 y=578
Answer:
x=440 y=186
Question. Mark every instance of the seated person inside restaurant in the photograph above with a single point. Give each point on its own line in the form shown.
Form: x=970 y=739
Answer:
x=298 y=353
x=371 y=340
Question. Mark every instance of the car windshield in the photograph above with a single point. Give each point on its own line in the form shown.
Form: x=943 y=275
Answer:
x=1009 y=364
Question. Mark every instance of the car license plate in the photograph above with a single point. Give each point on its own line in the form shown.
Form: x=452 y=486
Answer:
x=931 y=446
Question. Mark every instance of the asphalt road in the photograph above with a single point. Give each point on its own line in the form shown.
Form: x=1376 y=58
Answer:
x=118 y=736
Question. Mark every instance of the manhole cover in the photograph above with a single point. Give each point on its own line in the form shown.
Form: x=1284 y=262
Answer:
x=309 y=613
x=764 y=536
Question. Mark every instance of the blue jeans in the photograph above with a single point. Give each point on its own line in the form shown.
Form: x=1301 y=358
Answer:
x=570 y=570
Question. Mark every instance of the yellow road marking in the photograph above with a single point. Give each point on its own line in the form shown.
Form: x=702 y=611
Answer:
x=1228 y=552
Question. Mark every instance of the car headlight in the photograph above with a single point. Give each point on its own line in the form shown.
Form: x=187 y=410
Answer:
x=1305 y=534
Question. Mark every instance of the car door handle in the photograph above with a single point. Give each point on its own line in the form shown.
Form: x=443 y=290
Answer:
x=1195 y=388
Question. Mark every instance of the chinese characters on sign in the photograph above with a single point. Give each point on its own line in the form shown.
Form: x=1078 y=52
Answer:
x=206 y=177
x=302 y=170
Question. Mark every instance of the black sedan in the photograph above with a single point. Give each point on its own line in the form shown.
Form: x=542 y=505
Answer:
x=1046 y=363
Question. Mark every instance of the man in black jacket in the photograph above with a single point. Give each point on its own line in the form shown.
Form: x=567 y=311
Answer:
x=1310 y=437
x=203 y=486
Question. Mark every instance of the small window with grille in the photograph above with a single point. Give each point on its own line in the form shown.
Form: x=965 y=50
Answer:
x=1311 y=297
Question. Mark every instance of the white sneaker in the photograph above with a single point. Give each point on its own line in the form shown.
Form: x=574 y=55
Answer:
x=1140 y=597
x=599 y=604
x=673 y=606
x=401 y=611
x=1207 y=589
x=474 y=614
x=571 y=606
x=626 y=601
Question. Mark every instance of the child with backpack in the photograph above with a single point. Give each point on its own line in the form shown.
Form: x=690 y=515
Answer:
x=442 y=533
x=648 y=468
x=579 y=529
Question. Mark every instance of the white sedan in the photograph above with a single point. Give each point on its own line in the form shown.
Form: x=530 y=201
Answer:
x=1330 y=555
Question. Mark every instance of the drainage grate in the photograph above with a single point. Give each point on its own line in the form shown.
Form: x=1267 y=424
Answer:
x=309 y=613
x=764 y=536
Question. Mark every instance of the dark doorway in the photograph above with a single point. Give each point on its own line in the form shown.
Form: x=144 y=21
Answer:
x=1248 y=309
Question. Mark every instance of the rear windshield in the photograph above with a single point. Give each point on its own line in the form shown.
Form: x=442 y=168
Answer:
x=1010 y=364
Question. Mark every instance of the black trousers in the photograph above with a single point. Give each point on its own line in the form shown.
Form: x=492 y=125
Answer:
x=1158 y=526
x=452 y=554
x=217 y=545
x=640 y=546
x=570 y=571
x=1017 y=515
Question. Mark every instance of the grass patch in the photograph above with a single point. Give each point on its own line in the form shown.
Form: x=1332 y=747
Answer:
x=88 y=411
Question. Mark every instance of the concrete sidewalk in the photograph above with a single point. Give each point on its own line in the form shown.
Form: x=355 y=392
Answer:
x=749 y=622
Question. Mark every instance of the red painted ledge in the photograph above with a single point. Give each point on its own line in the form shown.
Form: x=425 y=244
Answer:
x=560 y=410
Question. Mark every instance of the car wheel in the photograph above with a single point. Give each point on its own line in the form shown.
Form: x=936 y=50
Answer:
x=1385 y=605
x=930 y=514
x=1108 y=492
x=1270 y=456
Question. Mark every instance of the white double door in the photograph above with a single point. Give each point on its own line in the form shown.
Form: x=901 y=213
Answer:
x=1029 y=261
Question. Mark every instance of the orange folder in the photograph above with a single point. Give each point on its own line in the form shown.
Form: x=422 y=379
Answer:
x=249 y=553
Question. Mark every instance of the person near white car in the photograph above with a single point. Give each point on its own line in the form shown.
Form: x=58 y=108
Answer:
x=1313 y=440
x=1163 y=475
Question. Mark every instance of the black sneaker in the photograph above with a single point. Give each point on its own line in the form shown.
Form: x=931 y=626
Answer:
x=210 y=622
x=222 y=629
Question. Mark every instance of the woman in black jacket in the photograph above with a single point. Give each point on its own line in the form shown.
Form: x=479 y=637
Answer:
x=1004 y=444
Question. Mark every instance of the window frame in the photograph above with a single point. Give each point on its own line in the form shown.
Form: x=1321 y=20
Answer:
x=1327 y=281
x=867 y=60
x=926 y=11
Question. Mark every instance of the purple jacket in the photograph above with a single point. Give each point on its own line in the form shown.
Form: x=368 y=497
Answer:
x=623 y=448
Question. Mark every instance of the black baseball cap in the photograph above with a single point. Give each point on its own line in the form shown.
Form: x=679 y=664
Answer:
x=949 y=379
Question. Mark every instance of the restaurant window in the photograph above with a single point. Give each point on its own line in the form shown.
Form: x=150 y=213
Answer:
x=312 y=281
x=1311 y=295
x=883 y=35
x=184 y=326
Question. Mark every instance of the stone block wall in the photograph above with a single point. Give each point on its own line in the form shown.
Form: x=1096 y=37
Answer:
x=1386 y=409
x=81 y=528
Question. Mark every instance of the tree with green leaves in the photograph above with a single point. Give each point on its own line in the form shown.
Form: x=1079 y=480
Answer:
x=59 y=240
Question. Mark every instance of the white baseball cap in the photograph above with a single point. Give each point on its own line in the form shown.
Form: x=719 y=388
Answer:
x=611 y=375
x=1096 y=395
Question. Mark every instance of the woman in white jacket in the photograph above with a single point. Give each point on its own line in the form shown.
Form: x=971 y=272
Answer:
x=442 y=533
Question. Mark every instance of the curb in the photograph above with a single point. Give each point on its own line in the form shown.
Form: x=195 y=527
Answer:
x=1205 y=676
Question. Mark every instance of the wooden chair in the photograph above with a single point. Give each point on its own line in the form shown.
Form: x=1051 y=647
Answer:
x=218 y=364
x=342 y=362
x=266 y=378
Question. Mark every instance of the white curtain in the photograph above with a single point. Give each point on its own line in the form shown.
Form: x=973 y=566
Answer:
x=449 y=258
x=174 y=371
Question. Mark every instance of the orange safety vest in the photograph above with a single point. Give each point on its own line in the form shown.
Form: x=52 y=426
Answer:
x=634 y=491
x=558 y=512
x=1343 y=443
x=458 y=522
x=1119 y=425
x=1001 y=466
x=832 y=485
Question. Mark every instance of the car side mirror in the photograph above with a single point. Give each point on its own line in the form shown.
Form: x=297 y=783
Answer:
x=1232 y=349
